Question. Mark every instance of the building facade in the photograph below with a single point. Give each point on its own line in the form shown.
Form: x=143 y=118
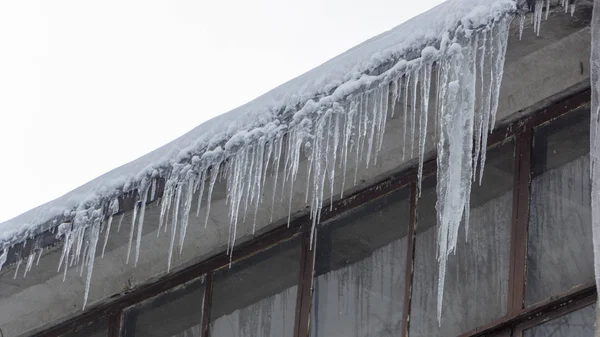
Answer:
x=523 y=265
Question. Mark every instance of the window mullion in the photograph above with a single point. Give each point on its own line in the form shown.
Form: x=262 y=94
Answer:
x=206 y=305
x=520 y=222
x=115 y=323
x=305 y=286
x=410 y=259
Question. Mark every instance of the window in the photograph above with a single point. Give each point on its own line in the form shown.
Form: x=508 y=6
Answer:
x=360 y=271
x=578 y=323
x=560 y=253
x=256 y=297
x=476 y=284
x=177 y=313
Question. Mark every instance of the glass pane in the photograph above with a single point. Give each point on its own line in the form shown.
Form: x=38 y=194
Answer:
x=360 y=271
x=177 y=313
x=98 y=328
x=559 y=255
x=476 y=284
x=256 y=297
x=578 y=323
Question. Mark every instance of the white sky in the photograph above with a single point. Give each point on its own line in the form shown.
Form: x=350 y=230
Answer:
x=86 y=86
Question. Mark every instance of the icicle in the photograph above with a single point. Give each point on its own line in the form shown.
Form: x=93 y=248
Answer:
x=165 y=206
x=384 y=106
x=413 y=112
x=346 y=147
x=373 y=122
x=537 y=16
x=91 y=251
x=19 y=261
x=427 y=56
x=187 y=207
x=120 y=222
x=405 y=114
x=110 y=219
x=501 y=31
x=278 y=147
x=113 y=208
x=134 y=216
x=174 y=225
x=336 y=144
x=521 y=26
x=37 y=262
x=3 y=257
x=359 y=136
x=144 y=190
x=29 y=264
x=214 y=174
x=457 y=124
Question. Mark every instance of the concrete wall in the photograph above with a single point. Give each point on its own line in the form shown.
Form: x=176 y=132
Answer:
x=538 y=70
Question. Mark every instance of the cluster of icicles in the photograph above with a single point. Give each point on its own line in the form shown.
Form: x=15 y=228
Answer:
x=453 y=89
x=538 y=13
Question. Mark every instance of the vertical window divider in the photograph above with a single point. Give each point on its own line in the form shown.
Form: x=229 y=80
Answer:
x=207 y=303
x=410 y=259
x=305 y=286
x=115 y=321
x=520 y=222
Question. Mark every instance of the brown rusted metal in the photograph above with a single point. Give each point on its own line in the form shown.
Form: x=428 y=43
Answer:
x=410 y=260
x=520 y=222
x=115 y=324
x=305 y=287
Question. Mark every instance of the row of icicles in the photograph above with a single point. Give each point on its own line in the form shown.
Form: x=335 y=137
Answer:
x=452 y=90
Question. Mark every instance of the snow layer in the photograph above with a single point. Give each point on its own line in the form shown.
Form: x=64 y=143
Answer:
x=448 y=61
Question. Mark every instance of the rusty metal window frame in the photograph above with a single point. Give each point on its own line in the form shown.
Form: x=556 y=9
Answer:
x=517 y=318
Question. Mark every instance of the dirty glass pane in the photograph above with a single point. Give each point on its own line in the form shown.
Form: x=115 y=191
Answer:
x=578 y=323
x=98 y=328
x=559 y=254
x=177 y=313
x=360 y=271
x=476 y=286
x=256 y=297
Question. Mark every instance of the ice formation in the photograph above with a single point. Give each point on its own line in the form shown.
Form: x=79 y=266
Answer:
x=448 y=67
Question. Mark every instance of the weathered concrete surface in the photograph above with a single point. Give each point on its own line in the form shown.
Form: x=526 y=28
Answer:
x=538 y=70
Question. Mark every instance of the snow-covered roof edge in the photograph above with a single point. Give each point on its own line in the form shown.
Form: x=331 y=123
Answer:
x=270 y=114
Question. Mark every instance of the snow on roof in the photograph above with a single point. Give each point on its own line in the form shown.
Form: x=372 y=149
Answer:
x=334 y=79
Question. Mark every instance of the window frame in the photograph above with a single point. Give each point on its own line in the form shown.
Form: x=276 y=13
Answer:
x=517 y=318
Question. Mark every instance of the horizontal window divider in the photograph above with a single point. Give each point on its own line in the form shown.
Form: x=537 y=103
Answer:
x=544 y=311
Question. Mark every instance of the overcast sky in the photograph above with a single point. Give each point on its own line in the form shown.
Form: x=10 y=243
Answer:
x=86 y=86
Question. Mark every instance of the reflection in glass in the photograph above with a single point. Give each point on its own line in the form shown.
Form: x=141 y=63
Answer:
x=476 y=285
x=578 y=323
x=256 y=297
x=360 y=271
x=177 y=313
x=559 y=255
